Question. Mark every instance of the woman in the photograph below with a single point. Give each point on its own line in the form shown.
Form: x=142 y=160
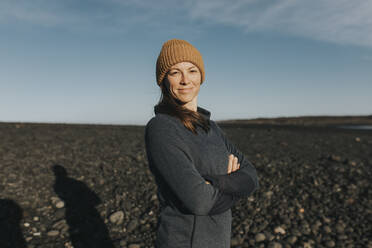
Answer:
x=198 y=172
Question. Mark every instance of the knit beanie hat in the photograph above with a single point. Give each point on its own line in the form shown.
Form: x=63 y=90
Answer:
x=175 y=51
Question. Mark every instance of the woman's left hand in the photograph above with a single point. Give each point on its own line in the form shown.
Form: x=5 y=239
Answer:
x=233 y=164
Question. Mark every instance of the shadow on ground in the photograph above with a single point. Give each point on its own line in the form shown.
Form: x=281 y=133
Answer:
x=86 y=227
x=11 y=215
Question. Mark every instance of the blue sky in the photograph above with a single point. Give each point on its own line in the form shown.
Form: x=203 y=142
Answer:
x=94 y=61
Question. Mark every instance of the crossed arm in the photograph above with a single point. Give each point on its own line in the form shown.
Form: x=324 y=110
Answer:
x=241 y=182
x=166 y=152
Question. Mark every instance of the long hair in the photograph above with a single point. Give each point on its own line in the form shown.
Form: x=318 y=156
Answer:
x=172 y=106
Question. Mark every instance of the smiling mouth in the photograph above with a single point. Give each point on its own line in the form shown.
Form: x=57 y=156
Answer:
x=187 y=89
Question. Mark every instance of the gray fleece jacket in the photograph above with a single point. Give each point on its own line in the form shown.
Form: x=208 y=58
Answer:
x=193 y=213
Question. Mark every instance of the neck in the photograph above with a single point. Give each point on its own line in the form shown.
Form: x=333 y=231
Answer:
x=193 y=105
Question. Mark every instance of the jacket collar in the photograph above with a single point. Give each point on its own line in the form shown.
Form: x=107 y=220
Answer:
x=204 y=112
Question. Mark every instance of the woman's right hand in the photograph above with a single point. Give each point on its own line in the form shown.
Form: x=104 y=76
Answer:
x=233 y=164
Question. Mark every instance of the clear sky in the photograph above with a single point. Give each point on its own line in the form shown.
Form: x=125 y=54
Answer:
x=93 y=61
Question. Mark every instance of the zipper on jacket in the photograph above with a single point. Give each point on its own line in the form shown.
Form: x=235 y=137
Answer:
x=193 y=231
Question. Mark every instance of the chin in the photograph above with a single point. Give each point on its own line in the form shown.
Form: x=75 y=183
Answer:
x=186 y=99
x=182 y=101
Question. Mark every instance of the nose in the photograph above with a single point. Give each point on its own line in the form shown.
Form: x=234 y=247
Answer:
x=185 y=78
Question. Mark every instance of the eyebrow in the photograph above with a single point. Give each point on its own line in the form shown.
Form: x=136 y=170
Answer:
x=188 y=68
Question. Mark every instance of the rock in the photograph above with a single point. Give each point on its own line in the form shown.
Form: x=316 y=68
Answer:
x=53 y=233
x=127 y=205
x=269 y=194
x=263 y=225
x=68 y=245
x=326 y=220
x=269 y=236
x=296 y=232
x=123 y=243
x=60 y=204
x=235 y=241
x=59 y=224
x=342 y=237
x=330 y=243
x=309 y=193
x=339 y=228
x=279 y=229
x=132 y=225
x=117 y=217
x=260 y=237
x=59 y=214
x=292 y=239
x=154 y=197
x=57 y=202
x=306 y=230
x=335 y=158
x=275 y=245
x=327 y=229
x=352 y=163
x=134 y=246
x=314 y=229
x=307 y=245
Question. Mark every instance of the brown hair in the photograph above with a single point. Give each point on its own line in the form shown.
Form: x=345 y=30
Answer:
x=172 y=106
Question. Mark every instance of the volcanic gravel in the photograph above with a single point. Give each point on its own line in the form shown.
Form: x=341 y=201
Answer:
x=89 y=186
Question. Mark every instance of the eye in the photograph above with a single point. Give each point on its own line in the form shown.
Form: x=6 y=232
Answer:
x=194 y=71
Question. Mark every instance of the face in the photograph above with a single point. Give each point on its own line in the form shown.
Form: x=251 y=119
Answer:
x=184 y=80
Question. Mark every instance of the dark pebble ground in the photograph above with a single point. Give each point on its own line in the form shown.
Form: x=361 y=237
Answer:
x=89 y=186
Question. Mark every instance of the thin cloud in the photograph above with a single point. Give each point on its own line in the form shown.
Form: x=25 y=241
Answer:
x=338 y=21
x=102 y=15
x=367 y=58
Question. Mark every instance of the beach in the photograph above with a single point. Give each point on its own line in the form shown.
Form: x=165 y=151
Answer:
x=65 y=185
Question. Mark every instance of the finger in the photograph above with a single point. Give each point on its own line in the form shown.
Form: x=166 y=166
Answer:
x=229 y=167
x=235 y=164
x=237 y=167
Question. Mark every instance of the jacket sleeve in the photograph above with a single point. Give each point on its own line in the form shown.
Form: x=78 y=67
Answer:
x=242 y=182
x=223 y=203
x=170 y=155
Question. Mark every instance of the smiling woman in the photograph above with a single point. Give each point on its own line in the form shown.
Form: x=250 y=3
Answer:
x=184 y=81
x=179 y=74
x=199 y=173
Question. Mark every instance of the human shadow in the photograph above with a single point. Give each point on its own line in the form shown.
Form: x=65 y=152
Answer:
x=86 y=227
x=11 y=234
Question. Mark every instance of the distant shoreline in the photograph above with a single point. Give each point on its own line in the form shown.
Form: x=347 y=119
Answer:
x=291 y=121
x=306 y=120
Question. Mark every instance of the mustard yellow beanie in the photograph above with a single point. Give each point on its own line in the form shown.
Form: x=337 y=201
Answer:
x=175 y=51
